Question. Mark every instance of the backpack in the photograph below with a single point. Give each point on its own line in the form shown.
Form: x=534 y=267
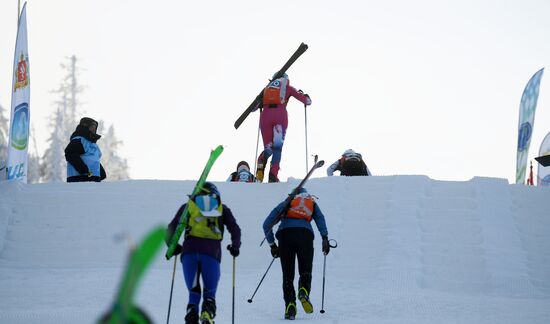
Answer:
x=275 y=92
x=205 y=226
x=352 y=165
x=301 y=207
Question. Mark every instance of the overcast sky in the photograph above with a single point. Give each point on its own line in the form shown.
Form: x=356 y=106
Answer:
x=417 y=87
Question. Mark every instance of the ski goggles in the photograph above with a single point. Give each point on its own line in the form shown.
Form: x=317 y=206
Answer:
x=208 y=204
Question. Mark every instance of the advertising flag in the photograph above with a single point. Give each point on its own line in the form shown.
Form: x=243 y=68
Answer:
x=20 y=106
x=543 y=173
x=527 y=109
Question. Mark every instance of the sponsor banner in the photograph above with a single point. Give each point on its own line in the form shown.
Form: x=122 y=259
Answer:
x=543 y=173
x=20 y=106
x=527 y=109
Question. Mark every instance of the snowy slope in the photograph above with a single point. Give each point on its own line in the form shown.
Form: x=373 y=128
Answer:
x=411 y=250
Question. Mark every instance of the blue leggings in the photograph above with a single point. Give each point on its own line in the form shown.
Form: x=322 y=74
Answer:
x=196 y=265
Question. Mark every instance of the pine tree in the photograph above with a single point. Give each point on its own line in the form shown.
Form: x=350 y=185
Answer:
x=53 y=166
x=115 y=166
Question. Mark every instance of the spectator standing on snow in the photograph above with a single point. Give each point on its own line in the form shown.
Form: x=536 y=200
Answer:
x=83 y=154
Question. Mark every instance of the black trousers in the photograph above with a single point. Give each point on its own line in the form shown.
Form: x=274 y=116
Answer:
x=295 y=242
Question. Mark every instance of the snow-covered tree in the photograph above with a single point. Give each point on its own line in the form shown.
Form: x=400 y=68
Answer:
x=4 y=128
x=3 y=135
x=115 y=166
x=53 y=166
x=62 y=124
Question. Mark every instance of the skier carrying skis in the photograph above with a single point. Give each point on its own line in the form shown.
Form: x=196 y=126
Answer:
x=83 y=154
x=273 y=123
x=350 y=164
x=295 y=236
x=201 y=249
x=242 y=174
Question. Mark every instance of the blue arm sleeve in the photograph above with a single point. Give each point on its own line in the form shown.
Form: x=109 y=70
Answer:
x=271 y=221
x=319 y=219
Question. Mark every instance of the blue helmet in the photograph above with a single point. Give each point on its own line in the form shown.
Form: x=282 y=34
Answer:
x=208 y=188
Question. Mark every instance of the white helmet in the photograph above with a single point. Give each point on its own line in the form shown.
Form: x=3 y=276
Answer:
x=349 y=152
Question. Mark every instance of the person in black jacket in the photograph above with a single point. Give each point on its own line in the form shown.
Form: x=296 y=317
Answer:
x=350 y=164
x=242 y=174
x=83 y=154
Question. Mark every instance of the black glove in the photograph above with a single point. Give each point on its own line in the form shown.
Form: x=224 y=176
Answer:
x=326 y=245
x=274 y=250
x=178 y=249
x=234 y=251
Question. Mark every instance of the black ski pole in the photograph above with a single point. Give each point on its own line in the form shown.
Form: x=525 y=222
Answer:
x=305 y=121
x=250 y=299
x=171 y=290
x=233 y=300
x=324 y=268
x=323 y=293
x=256 y=156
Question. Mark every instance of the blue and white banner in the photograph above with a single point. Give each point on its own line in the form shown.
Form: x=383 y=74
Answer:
x=527 y=109
x=543 y=173
x=20 y=106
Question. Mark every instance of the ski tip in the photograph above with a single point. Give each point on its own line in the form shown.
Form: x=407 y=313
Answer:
x=319 y=164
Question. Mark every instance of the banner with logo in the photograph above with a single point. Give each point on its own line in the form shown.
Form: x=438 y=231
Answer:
x=526 y=122
x=20 y=106
x=543 y=173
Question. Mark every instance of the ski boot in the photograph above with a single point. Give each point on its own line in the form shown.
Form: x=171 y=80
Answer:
x=192 y=316
x=290 y=311
x=273 y=178
x=208 y=311
x=303 y=296
x=261 y=168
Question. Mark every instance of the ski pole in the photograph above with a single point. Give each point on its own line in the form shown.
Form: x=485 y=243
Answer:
x=256 y=156
x=305 y=121
x=250 y=299
x=171 y=290
x=323 y=293
x=324 y=268
x=233 y=300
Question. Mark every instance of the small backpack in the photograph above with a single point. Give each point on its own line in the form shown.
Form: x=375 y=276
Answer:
x=275 y=92
x=352 y=165
x=204 y=222
x=301 y=207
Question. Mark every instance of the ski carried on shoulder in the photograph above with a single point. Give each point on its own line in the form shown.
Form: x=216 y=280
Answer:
x=184 y=217
x=123 y=309
x=259 y=98
x=295 y=191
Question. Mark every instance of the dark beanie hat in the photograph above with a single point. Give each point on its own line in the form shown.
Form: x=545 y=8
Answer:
x=87 y=122
x=241 y=164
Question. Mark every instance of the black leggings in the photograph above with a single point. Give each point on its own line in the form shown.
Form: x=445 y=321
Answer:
x=295 y=242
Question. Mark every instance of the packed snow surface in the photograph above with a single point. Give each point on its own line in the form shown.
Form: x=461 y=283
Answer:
x=410 y=250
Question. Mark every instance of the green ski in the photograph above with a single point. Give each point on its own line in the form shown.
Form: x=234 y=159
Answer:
x=172 y=241
x=123 y=309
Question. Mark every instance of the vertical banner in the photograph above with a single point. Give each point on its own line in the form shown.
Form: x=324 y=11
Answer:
x=20 y=106
x=526 y=122
x=543 y=173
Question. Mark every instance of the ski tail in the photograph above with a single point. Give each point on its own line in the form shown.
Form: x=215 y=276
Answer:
x=259 y=98
x=140 y=258
x=294 y=192
x=182 y=223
